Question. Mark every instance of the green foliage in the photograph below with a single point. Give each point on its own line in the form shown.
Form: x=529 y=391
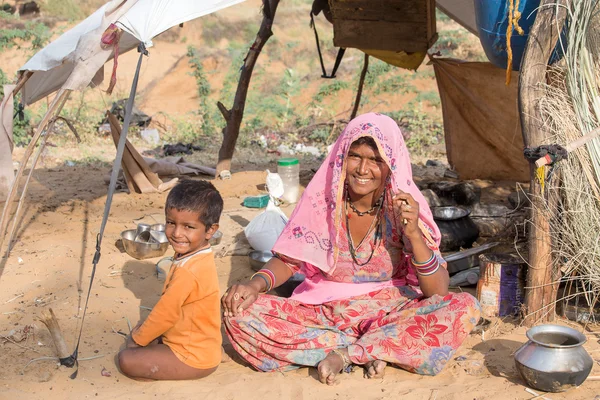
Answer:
x=21 y=127
x=16 y=32
x=207 y=110
x=63 y=9
x=433 y=98
x=422 y=130
x=440 y=16
x=328 y=89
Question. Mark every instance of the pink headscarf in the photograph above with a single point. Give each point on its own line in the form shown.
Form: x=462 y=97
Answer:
x=311 y=234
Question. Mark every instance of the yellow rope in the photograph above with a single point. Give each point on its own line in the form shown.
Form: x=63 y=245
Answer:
x=540 y=173
x=514 y=15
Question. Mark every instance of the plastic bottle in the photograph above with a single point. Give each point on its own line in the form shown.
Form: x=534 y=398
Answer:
x=289 y=170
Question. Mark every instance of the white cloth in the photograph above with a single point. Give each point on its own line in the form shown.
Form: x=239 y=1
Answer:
x=141 y=21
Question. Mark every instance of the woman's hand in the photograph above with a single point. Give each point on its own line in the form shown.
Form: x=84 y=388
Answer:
x=407 y=208
x=238 y=298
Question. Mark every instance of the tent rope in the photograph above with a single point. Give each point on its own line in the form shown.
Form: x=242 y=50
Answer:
x=514 y=15
x=72 y=359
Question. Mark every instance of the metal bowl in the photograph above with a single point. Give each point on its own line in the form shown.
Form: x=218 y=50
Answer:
x=258 y=258
x=141 y=250
x=157 y=227
x=449 y=213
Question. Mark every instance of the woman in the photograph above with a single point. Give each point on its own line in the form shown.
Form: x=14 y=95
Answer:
x=376 y=287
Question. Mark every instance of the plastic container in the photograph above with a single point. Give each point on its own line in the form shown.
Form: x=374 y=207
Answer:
x=289 y=171
x=256 y=201
x=501 y=286
x=492 y=21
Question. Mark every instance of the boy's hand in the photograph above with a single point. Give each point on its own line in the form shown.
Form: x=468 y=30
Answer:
x=238 y=298
x=130 y=343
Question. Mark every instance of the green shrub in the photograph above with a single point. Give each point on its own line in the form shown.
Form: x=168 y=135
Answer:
x=17 y=32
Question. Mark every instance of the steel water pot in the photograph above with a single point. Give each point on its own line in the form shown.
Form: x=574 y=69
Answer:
x=553 y=360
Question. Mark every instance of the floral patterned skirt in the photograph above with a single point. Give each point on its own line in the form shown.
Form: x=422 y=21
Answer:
x=395 y=325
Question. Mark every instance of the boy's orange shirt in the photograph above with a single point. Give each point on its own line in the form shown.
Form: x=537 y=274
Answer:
x=188 y=314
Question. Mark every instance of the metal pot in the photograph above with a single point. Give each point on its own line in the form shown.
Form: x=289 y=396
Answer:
x=553 y=360
x=458 y=230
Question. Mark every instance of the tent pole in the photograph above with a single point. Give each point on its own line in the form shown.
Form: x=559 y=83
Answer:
x=234 y=116
x=22 y=81
x=53 y=110
x=541 y=287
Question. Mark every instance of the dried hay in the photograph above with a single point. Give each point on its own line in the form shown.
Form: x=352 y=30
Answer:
x=571 y=109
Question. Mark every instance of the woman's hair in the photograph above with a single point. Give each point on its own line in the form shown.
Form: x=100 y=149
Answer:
x=368 y=140
x=197 y=196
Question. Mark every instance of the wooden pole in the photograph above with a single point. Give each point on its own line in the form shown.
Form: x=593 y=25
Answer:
x=542 y=39
x=53 y=110
x=361 y=83
x=34 y=162
x=234 y=116
x=22 y=81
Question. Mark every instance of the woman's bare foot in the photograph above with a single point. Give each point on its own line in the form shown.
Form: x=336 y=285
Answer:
x=375 y=369
x=330 y=367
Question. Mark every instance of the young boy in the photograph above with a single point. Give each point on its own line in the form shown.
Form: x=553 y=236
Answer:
x=181 y=338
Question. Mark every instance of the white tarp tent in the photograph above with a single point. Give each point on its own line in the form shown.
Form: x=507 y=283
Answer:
x=141 y=21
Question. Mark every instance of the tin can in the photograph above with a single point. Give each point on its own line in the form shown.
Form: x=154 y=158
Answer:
x=501 y=286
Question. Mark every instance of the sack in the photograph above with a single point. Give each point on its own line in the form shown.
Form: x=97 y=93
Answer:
x=262 y=232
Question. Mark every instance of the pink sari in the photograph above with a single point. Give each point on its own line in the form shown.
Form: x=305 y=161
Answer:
x=372 y=310
x=313 y=235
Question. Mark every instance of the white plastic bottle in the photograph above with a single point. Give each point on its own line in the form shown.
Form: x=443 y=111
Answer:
x=289 y=171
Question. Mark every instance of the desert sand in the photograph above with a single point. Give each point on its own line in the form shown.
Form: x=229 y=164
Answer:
x=50 y=266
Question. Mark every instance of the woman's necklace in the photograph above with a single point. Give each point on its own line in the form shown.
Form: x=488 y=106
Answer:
x=369 y=211
x=378 y=235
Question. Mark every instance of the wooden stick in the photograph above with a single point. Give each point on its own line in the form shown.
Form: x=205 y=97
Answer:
x=234 y=116
x=542 y=39
x=36 y=157
x=361 y=83
x=53 y=109
x=573 y=145
x=49 y=319
x=22 y=81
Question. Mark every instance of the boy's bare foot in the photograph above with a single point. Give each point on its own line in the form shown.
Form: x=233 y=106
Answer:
x=330 y=367
x=375 y=369
x=224 y=356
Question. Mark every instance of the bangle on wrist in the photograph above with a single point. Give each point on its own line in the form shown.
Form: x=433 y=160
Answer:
x=428 y=267
x=268 y=276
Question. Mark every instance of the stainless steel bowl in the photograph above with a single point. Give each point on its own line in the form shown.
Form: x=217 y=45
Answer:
x=449 y=213
x=258 y=258
x=157 y=227
x=140 y=250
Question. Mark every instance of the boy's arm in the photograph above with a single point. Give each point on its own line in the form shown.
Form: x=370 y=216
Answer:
x=168 y=309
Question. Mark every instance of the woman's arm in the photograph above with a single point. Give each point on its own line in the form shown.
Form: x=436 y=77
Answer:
x=407 y=209
x=241 y=296
x=436 y=283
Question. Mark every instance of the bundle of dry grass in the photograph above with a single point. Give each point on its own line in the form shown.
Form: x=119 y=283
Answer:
x=571 y=109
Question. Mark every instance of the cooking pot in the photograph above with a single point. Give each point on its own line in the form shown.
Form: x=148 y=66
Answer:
x=457 y=228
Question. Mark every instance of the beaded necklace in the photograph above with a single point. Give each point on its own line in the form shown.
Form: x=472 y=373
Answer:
x=378 y=229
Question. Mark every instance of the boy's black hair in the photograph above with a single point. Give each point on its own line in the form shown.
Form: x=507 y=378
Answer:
x=197 y=196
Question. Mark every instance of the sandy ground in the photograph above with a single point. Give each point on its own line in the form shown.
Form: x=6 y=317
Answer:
x=50 y=266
